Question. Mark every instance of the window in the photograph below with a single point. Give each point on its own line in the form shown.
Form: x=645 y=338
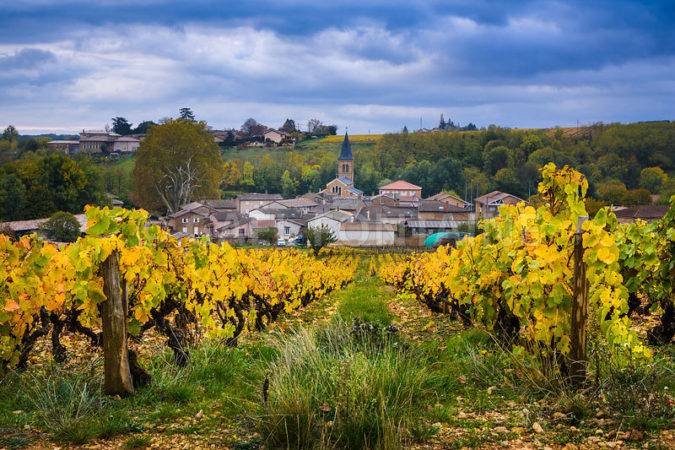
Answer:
x=241 y=231
x=196 y=231
x=185 y=220
x=196 y=220
x=185 y=230
x=287 y=230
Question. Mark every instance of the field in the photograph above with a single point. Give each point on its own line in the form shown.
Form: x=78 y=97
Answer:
x=537 y=332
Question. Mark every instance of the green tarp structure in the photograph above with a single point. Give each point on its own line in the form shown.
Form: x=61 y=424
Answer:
x=435 y=239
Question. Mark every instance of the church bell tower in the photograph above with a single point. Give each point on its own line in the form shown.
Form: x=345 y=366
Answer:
x=346 y=161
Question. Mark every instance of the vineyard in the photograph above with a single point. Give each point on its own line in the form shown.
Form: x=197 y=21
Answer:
x=548 y=328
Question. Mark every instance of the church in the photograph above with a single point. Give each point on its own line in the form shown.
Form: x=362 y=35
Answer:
x=343 y=185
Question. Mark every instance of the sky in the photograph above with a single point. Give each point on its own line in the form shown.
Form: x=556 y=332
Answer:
x=364 y=65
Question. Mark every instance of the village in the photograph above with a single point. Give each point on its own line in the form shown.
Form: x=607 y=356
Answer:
x=399 y=215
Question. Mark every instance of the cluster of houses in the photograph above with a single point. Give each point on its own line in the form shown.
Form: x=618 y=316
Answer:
x=397 y=215
x=107 y=142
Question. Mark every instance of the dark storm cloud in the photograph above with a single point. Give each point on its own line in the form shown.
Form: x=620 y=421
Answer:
x=374 y=64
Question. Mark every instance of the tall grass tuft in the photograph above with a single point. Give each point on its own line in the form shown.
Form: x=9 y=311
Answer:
x=343 y=387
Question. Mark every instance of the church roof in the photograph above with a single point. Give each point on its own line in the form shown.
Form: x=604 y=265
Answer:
x=346 y=152
x=345 y=180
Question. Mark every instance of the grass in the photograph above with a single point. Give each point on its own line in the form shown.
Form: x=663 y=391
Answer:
x=341 y=387
x=364 y=301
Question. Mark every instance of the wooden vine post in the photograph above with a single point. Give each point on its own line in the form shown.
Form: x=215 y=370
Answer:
x=578 y=358
x=118 y=379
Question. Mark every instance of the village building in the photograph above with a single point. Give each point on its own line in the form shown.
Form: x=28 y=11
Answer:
x=67 y=146
x=276 y=137
x=288 y=229
x=487 y=206
x=249 y=202
x=648 y=213
x=367 y=234
x=439 y=210
x=126 y=144
x=343 y=185
x=402 y=190
x=240 y=230
x=427 y=227
x=331 y=219
x=450 y=199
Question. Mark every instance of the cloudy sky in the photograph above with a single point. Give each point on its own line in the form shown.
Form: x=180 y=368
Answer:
x=366 y=65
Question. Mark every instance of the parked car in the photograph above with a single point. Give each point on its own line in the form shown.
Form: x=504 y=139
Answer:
x=281 y=243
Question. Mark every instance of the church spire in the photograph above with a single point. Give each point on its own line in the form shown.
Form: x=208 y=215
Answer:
x=346 y=153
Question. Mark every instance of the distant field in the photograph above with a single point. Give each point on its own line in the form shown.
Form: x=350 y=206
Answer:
x=353 y=138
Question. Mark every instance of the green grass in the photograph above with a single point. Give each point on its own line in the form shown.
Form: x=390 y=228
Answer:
x=334 y=387
x=364 y=301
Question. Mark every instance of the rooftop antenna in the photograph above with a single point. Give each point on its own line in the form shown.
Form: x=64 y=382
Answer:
x=420 y=122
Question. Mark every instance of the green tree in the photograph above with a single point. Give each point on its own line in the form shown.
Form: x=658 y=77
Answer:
x=10 y=134
x=61 y=227
x=319 y=237
x=612 y=192
x=176 y=163
x=289 y=185
x=268 y=235
x=289 y=126
x=120 y=125
x=55 y=182
x=653 y=179
x=506 y=180
x=495 y=158
x=186 y=114
x=12 y=197
x=143 y=127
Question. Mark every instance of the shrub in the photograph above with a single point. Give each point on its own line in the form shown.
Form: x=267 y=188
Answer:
x=61 y=227
x=319 y=237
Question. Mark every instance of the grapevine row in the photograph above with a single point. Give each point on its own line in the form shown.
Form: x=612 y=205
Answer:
x=181 y=288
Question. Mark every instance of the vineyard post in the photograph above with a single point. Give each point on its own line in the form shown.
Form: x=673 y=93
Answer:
x=578 y=359
x=118 y=379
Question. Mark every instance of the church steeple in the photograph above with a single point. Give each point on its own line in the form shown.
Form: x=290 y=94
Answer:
x=346 y=160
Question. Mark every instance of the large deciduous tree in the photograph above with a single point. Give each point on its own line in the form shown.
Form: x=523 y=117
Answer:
x=177 y=162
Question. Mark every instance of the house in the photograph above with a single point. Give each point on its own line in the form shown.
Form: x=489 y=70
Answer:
x=97 y=141
x=276 y=137
x=450 y=199
x=126 y=144
x=239 y=230
x=367 y=234
x=385 y=200
x=202 y=217
x=67 y=146
x=288 y=229
x=248 y=202
x=330 y=219
x=190 y=220
x=301 y=203
x=343 y=184
x=440 y=210
x=487 y=206
x=402 y=190
x=648 y=213
x=386 y=214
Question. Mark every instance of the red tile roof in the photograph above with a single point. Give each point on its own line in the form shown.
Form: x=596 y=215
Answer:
x=401 y=185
